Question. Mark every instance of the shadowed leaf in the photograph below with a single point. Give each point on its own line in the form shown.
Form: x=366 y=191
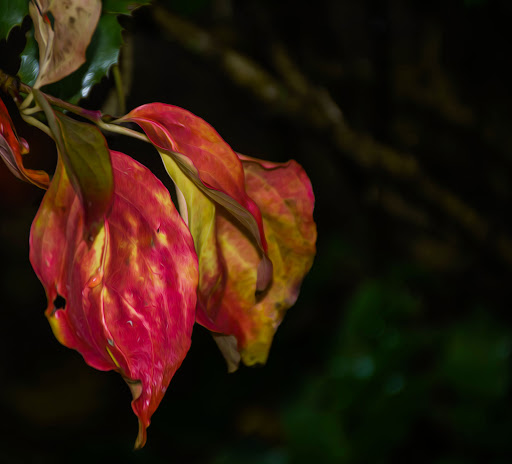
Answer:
x=11 y=150
x=86 y=157
x=200 y=214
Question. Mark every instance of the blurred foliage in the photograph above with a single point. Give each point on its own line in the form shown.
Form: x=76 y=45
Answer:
x=398 y=349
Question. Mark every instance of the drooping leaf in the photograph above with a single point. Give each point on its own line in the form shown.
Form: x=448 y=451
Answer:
x=62 y=44
x=129 y=298
x=11 y=150
x=86 y=157
x=125 y=7
x=209 y=162
x=12 y=13
x=284 y=195
x=200 y=214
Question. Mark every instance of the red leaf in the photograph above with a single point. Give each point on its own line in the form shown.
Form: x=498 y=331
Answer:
x=209 y=162
x=11 y=150
x=131 y=296
x=284 y=195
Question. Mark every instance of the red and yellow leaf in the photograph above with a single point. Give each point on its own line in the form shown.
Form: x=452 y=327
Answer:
x=200 y=214
x=209 y=162
x=284 y=195
x=130 y=297
x=11 y=150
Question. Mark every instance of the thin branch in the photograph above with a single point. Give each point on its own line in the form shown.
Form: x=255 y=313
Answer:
x=36 y=123
x=121 y=101
x=93 y=116
x=316 y=108
x=118 y=129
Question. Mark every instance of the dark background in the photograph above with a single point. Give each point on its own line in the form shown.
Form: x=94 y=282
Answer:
x=398 y=349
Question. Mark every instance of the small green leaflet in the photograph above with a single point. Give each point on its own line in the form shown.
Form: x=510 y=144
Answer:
x=29 y=60
x=12 y=13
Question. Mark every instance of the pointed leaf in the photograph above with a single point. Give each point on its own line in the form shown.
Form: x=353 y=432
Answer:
x=11 y=150
x=129 y=298
x=284 y=195
x=209 y=162
x=12 y=13
x=86 y=158
x=62 y=45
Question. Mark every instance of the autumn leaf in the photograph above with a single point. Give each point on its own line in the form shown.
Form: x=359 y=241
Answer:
x=127 y=303
x=209 y=162
x=234 y=301
x=284 y=195
x=200 y=213
x=86 y=157
x=63 y=42
x=11 y=150
x=102 y=53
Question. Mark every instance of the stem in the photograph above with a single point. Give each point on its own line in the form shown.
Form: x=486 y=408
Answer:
x=91 y=115
x=122 y=130
x=36 y=123
x=34 y=109
x=26 y=103
x=6 y=81
x=119 y=89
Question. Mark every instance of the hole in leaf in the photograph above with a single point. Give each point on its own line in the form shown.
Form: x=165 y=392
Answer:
x=59 y=303
x=158 y=230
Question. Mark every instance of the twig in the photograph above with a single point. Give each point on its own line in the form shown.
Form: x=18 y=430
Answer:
x=316 y=108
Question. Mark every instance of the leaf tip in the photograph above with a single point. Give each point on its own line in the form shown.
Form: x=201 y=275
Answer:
x=256 y=354
x=141 y=436
x=136 y=389
x=228 y=346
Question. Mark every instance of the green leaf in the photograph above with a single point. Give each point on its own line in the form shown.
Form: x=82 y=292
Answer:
x=29 y=61
x=125 y=7
x=12 y=13
x=86 y=157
